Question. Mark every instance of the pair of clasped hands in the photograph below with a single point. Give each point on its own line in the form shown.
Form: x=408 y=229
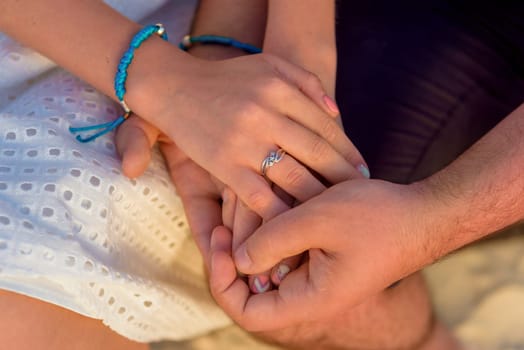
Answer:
x=275 y=245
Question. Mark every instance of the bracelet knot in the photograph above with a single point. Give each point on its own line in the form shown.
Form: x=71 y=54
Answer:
x=120 y=83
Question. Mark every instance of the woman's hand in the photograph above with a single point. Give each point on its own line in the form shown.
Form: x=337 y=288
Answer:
x=228 y=115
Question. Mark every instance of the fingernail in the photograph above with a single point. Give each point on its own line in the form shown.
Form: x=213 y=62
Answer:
x=282 y=271
x=331 y=104
x=261 y=284
x=242 y=259
x=364 y=171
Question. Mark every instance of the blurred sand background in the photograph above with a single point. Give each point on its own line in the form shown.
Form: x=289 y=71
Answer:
x=478 y=292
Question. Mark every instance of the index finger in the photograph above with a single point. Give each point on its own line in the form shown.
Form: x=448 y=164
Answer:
x=305 y=112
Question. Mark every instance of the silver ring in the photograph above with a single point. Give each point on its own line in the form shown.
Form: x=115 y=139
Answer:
x=272 y=159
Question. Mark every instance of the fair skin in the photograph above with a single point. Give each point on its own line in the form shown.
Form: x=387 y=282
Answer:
x=93 y=331
x=64 y=329
x=200 y=205
x=363 y=235
x=29 y=324
x=303 y=33
x=288 y=100
x=197 y=90
x=400 y=316
x=133 y=139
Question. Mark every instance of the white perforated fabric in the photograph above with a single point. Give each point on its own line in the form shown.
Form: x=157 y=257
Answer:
x=73 y=230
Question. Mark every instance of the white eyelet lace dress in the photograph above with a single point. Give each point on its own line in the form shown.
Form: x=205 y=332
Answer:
x=74 y=231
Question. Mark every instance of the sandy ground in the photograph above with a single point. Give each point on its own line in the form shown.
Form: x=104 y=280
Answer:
x=478 y=292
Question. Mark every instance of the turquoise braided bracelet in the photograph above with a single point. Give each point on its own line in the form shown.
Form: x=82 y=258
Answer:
x=120 y=83
x=189 y=40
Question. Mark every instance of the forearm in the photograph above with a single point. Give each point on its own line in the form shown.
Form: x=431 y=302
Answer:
x=243 y=20
x=87 y=37
x=482 y=191
x=303 y=32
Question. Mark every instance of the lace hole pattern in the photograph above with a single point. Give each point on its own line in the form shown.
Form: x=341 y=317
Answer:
x=106 y=246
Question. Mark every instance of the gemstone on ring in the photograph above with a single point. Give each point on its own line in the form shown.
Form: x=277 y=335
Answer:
x=272 y=159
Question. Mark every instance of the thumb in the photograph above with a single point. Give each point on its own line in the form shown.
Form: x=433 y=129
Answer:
x=287 y=235
x=134 y=140
x=286 y=307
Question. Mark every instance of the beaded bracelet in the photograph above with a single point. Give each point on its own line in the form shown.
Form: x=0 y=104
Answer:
x=189 y=40
x=120 y=82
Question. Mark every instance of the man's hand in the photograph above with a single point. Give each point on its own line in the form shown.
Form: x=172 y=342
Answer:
x=360 y=235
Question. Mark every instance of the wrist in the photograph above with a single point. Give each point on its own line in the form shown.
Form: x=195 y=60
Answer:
x=480 y=192
x=161 y=72
x=159 y=69
x=412 y=222
x=441 y=214
x=215 y=52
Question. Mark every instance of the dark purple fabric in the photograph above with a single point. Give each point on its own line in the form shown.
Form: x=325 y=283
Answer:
x=419 y=82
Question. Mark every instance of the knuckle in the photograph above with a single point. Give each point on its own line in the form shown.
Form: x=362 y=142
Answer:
x=273 y=82
x=349 y=153
x=313 y=80
x=296 y=177
x=266 y=241
x=260 y=249
x=257 y=200
x=320 y=149
x=275 y=86
x=248 y=116
x=248 y=112
x=330 y=130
